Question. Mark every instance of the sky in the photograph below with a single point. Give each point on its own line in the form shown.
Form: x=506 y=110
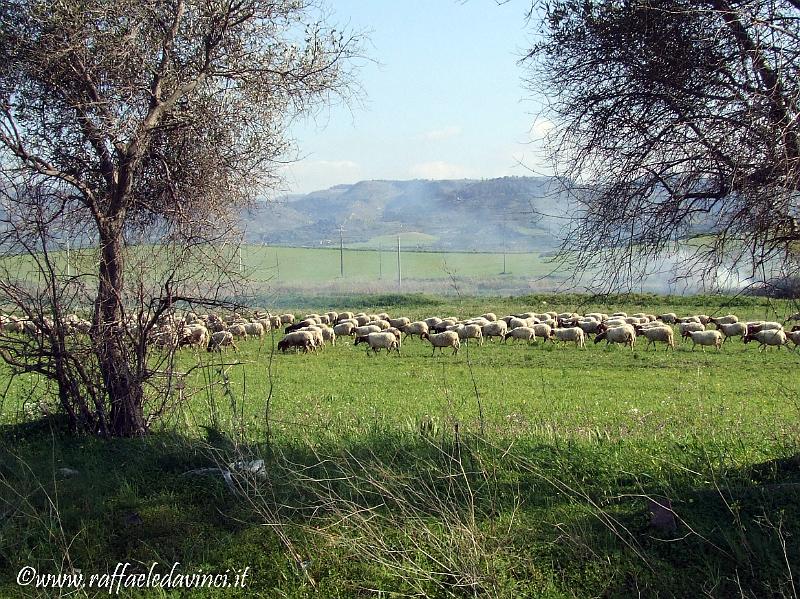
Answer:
x=444 y=98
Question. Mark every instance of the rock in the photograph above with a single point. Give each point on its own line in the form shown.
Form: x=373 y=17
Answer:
x=662 y=518
x=133 y=519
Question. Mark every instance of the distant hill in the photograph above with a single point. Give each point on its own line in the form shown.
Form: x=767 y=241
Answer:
x=465 y=214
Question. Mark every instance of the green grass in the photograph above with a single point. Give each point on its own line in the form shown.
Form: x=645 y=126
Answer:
x=532 y=486
x=287 y=265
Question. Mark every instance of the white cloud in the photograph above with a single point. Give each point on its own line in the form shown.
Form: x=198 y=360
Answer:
x=438 y=170
x=441 y=134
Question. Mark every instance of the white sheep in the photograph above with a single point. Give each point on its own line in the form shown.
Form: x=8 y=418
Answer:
x=515 y=323
x=254 y=329
x=526 y=333
x=495 y=329
x=729 y=319
x=238 y=330
x=287 y=318
x=705 y=338
x=399 y=323
x=415 y=328
x=343 y=329
x=767 y=337
x=569 y=334
x=735 y=329
x=691 y=326
x=492 y=317
x=663 y=333
x=542 y=330
x=365 y=330
x=624 y=334
x=221 y=339
x=441 y=340
x=470 y=331
x=379 y=341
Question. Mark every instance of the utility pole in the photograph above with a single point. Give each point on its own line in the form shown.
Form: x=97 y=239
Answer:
x=341 y=251
x=399 y=275
x=504 y=245
x=241 y=264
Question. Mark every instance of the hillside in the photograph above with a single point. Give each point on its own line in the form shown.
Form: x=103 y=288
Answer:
x=466 y=214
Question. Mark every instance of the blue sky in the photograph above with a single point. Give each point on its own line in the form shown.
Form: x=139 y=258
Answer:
x=444 y=98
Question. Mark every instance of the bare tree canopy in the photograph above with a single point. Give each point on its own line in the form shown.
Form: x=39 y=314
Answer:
x=149 y=121
x=675 y=119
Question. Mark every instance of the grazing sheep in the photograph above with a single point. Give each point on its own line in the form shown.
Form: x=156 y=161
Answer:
x=316 y=331
x=589 y=326
x=662 y=333
x=254 y=329
x=729 y=319
x=526 y=333
x=344 y=316
x=684 y=327
x=194 y=335
x=760 y=325
x=238 y=330
x=344 y=329
x=365 y=330
x=221 y=339
x=624 y=334
x=298 y=339
x=432 y=321
x=441 y=340
x=495 y=329
x=704 y=338
x=570 y=334
x=399 y=323
x=383 y=324
x=794 y=337
x=306 y=322
x=362 y=319
x=515 y=323
x=287 y=318
x=767 y=337
x=735 y=329
x=379 y=341
x=415 y=328
x=471 y=331
x=492 y=317
x=542 y=330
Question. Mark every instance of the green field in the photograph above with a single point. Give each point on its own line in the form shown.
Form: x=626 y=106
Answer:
x=287 y=265
x=507 y=470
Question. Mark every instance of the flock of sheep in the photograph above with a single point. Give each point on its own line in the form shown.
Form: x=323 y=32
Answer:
x=381 y=331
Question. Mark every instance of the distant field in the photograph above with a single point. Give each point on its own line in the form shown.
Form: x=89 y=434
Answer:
x=285 y=265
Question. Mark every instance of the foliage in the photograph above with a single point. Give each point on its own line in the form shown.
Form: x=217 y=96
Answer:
x=675 y=119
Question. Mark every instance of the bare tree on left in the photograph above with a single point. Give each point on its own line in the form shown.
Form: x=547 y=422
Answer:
x=139 y=130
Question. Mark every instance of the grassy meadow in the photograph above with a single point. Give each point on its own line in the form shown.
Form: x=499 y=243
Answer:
x=509 y=470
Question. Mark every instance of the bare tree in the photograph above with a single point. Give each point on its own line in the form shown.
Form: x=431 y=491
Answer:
x=145 y=122
x=674 y=119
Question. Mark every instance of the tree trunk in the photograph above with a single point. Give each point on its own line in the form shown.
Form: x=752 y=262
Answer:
x=124 y=388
